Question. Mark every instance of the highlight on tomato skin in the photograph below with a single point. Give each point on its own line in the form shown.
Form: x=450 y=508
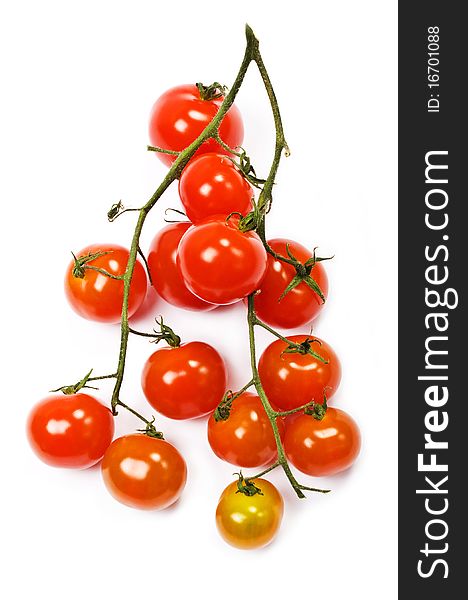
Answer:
x=185 y=382
x=249 y=522
x=219 y=263
x=322 y=447
x=301 y=304
x=246 y=438
x=144 y=472
x=70 y=431
x=291 y=380
x=97 y=297
x=180 y=115
x=211 y=184
x=162 y=263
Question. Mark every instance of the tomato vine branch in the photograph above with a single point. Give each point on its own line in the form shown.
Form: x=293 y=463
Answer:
x=162 y=150
x=271 y=414
x=300 y=348
x=252 y=54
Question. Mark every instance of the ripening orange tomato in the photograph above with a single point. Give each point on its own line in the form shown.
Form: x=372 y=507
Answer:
x=246 y=438
x=249 y=522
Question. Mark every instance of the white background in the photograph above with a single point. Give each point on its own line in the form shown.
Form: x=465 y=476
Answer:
x=78 y=80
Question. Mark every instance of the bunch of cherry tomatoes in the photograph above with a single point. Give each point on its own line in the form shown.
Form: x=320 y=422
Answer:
x=198 y=265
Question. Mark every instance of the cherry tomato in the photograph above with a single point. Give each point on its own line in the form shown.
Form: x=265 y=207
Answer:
x=220 y=263
x=70 y=431
x=98 y=297
x=291 y=380
x=166 y=277
x=144 y=472
x=212 y=185
x=246 y=438
x=301 y=304
x=249 y=521
x=322 y=447
x=180 y=115
x=184 y=382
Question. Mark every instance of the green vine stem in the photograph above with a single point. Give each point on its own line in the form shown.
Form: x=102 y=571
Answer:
x=212 y=130
x=271 y=414
x=252 y=54
x=75 y=388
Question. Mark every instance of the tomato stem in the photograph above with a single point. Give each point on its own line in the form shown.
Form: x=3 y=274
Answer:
x=223 y=145
x=165 y=334
x=118 y=209
x=162 y=150
x=251 y=54
x=223 y=409
x=264 y=472
x=291 y=346
x=271 y=414
x=210 y=131
x=145 y=262
x=103 y=272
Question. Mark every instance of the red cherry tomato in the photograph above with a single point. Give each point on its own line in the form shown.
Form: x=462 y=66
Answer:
x=301 y=304
x=144 y=472
x=322 y=447
x=220 y=263
x=70 y=431
x=98 y=297
x=291 y=380
x=212 y=185
x=166 y=277
x=246 y=438
x=184 y=382
x=180 y=115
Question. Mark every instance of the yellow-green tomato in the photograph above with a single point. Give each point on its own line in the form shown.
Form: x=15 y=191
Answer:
x=249 y=521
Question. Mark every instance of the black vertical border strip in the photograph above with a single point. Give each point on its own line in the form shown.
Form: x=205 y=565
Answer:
x=420 y=132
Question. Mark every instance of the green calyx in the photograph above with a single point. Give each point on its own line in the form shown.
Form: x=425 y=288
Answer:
x=246 y=168
x=223 y=410
x=246 y=487
x=318 y=411
x=211 y=92
x=114 y=211
x=151 y=431
x=305 y=347
x=166 y=334
x=303 y=275
x=68 y=390
x=249 y=222
x=79 y=267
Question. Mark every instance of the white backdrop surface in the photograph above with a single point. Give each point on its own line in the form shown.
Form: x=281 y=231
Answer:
x=79 y=79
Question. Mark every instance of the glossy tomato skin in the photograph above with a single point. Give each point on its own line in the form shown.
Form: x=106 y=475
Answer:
x=144 y=472
x=99 y=298
x=219 y=263
x=246 y=438
x=167 y=280
x=291 y=380
x=180 y=115
x=72 y=431
x=211 y=184
x=300 y=305
x=185 y=382
x=323 y=447
x=249 y=522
